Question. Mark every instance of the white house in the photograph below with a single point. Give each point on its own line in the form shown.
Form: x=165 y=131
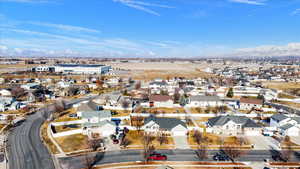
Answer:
x=250 y=103
x=289 y=130
x=98 y=122
x=204 y=101
x=154 y=125
x=5 y=92
x=234 y=125
x=286 y=126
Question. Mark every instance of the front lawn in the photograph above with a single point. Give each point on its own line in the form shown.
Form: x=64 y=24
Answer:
x=66 y=116
x=136 y=141
x=73 y=142
x=165 y=110
x=215 y=141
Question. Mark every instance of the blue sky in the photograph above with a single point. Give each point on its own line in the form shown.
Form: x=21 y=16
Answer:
x=150 y=28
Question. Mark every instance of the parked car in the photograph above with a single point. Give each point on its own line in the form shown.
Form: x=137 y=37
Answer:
x=220 y=157
x=116 y=141
x=73 y=115
x=157 y=156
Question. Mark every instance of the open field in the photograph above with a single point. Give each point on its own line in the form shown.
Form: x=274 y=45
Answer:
x=164 y=70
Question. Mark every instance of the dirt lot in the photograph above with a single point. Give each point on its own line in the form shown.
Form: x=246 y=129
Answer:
x=164 y=70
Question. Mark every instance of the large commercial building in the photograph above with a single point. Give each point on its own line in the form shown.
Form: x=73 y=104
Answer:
x=81 y=69
x=74 y=69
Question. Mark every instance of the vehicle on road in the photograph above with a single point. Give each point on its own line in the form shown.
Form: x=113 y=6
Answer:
x=220 y=157
x=157 y=156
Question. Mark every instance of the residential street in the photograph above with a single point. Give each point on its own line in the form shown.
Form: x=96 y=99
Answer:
x=78 y=162
x=25 y=148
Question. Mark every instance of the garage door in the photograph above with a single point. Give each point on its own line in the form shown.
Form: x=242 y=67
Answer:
x=252 y=133
x=179 y=133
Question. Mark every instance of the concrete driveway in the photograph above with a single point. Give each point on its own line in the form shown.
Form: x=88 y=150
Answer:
x=295 y=139
x=261 y=142
x=181 y=142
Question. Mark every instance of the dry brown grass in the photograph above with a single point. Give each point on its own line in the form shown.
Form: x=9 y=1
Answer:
x=214 y=140
x=282 y=85
x=136 y=139
x=292 y=104
x=286 y=96
x=165 y=110
x=153 y=74
x=73 y=142
x=52 y=148
x=66 y=117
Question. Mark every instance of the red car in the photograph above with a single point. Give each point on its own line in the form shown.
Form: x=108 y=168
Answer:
x=157 y=157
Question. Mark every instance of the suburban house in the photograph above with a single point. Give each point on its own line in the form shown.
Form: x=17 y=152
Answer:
x=286 y=126
x=233 y=125
x=246 y=91
x=86 y=106
x=204 y=101
x=5 y=103
x=115 y=102
x=5 y=92
x=30 y=86
x=155 y=125
x=98 y=122
x=161 y=101
x=250 y=103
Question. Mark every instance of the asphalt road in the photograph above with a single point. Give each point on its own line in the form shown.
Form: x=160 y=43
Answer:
x=25 y=148
x=78 y=162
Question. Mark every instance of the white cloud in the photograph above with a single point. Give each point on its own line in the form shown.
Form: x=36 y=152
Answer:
x=296 y=12
x=142 y=6
x=251 y=2
x=65 y=27
x=291 y=49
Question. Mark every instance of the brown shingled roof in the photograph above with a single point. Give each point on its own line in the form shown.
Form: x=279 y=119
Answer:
x=159 y=98
x=251 y=101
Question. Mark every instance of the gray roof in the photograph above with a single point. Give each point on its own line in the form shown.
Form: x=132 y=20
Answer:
x=204 y=98
x=279 y=117
x=89 y=106
x=99 y=124
x=297 y=119
x=158 y=83
x=286 y=126
x=165 y=123
x=100 y=114
x=222 y=120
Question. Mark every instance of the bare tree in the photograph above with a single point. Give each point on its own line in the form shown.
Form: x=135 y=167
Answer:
x=147 y=147
x=232 y=152
x=138 y=85
x=90 y=159
x=95 y=143
x=125 y=142
x=17 y=92
x=201 y=152
x=162 y=139
x=137 y=121
x=286 y=154
x=125 y=104
x=198 y=137
x=176 y=96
